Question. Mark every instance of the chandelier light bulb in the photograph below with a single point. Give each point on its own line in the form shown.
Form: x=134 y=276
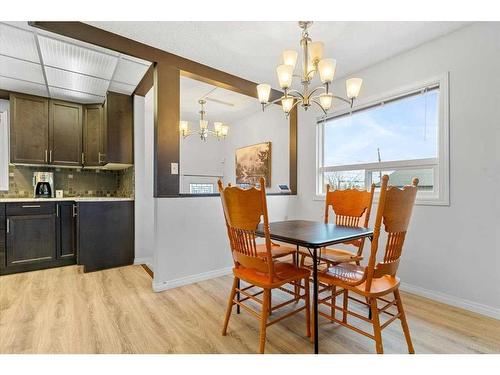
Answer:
x=183 y=127
x=224 y=130
x=217 y=127
x=352 y=87
x=290 y=57
x=287 y=103
x=263 y=92
x=326 y=69
x=316 y=51
x=285 y=74
x=203 y=125
x=326 y=101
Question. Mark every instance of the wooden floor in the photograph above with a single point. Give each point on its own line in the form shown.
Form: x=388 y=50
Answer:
x=62 y=310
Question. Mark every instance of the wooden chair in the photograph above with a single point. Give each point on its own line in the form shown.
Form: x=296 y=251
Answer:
x=349 y=206
x=243 y=210
x=377 y=280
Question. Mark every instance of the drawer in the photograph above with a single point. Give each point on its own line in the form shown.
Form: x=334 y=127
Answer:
x=30 y=208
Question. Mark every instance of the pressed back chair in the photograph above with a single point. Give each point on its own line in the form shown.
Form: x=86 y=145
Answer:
x=378 y=279
x=352 y=208
x=244 y=209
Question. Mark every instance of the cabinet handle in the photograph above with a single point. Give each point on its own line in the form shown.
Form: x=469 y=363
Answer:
x=83 y=158
x=46 y=156
x=74 y=211
x=8 y=225
x=103 y=158
x=57 y=210
x=50 y=156
x=31 y=206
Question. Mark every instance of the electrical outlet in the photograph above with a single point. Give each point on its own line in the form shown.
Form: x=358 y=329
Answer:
x=174 y=168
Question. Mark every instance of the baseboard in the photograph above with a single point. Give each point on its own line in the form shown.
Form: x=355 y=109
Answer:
x=479 y=308
x=165 y=285
x=148 y=261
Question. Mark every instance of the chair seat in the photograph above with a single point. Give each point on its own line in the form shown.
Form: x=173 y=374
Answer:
x=284 y=273
x=346 y=273
x=334 y=255
x=277 y=251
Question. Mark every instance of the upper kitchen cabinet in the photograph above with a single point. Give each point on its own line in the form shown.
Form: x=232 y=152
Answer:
x=65 y=133
x=29 y=129
x=119 y=129
x=93 y=135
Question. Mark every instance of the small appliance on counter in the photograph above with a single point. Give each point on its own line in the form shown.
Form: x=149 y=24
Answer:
x=44 y=184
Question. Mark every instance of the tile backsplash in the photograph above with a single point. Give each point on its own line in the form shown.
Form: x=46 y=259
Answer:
x=74 y=182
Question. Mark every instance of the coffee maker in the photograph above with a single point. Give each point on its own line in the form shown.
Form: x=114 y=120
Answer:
x=44 y=184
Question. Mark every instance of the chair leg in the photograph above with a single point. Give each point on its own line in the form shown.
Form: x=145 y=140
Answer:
x=404 y=323
x=377 y=332
x=230 y=306
x=263 y=321
x=270 y=305
x=308 y=307
x=334 y=301
x=346 y=299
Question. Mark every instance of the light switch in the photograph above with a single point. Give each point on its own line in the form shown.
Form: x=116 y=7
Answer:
x=174 y=168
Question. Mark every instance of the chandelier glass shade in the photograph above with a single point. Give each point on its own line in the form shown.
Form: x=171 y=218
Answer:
x=312 y=63
x=220 y=129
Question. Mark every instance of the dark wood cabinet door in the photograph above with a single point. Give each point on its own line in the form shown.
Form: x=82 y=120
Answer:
x=119 y=129
x=30 y=239
x=105 y=234
x=66 y=247
x=2 y=235
x=93 y=139
x=65 y=133
x=29 y=129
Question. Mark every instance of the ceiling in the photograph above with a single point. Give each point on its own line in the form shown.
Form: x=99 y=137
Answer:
x=36 y=62
x=222 y=105
x=252 y=50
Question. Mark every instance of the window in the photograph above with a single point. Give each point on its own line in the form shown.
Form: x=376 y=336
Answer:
x=404 y=135
x=201 y=188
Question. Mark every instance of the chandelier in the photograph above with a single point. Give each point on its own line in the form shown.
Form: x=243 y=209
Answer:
x=220 y=130
x=312 y=62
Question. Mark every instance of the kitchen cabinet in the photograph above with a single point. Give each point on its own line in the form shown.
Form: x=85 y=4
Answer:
x=119 y=134
x=37 y=236
x=65 y=133
x=66 y=225
x=105 y=234
x=93 y=135
x=2 y=235
x=29 y=129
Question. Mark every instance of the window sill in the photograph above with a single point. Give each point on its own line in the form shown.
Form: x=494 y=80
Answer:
x=420 y=201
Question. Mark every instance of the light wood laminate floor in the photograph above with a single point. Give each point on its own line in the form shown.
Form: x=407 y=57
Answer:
x=63 y=310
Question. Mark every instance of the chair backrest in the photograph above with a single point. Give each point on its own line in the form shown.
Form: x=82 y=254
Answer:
x=243 y=211
x=394 y=212
x=349 y=206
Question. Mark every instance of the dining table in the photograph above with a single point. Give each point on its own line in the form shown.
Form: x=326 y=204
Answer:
x=313 y=235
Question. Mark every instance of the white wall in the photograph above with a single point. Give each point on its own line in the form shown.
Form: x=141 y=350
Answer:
x=451 y=253
x=269 y=126
x=143 y=154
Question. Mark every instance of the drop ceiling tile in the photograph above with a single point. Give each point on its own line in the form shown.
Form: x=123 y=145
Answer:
x=18 y=43
x=74 y=81
x=68 y=56
x=74 y=96
x=24 y=87
x=121 y=88
x=19 y=69
x=129 y=72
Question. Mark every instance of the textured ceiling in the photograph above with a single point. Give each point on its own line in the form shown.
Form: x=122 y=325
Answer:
x=252 y=49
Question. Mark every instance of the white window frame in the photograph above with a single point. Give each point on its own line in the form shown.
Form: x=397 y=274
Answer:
x=441 y=166
x=201 y=183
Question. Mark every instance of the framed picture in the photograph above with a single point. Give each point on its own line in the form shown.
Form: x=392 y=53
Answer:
x=252 y=163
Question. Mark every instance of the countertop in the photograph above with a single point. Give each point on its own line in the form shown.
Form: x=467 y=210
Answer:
x=71 y=199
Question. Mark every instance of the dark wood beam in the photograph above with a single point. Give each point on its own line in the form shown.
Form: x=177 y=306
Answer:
x=146 y=83
x=293 y=150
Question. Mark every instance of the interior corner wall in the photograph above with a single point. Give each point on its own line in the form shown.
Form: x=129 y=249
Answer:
x=452 y=253
x=143 y=155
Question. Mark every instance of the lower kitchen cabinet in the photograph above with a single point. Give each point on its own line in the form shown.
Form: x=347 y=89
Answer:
x=36 y=236
x=105 y=234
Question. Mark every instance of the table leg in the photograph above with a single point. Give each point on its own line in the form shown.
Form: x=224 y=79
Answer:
x=315 y=300
x=238 y=298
